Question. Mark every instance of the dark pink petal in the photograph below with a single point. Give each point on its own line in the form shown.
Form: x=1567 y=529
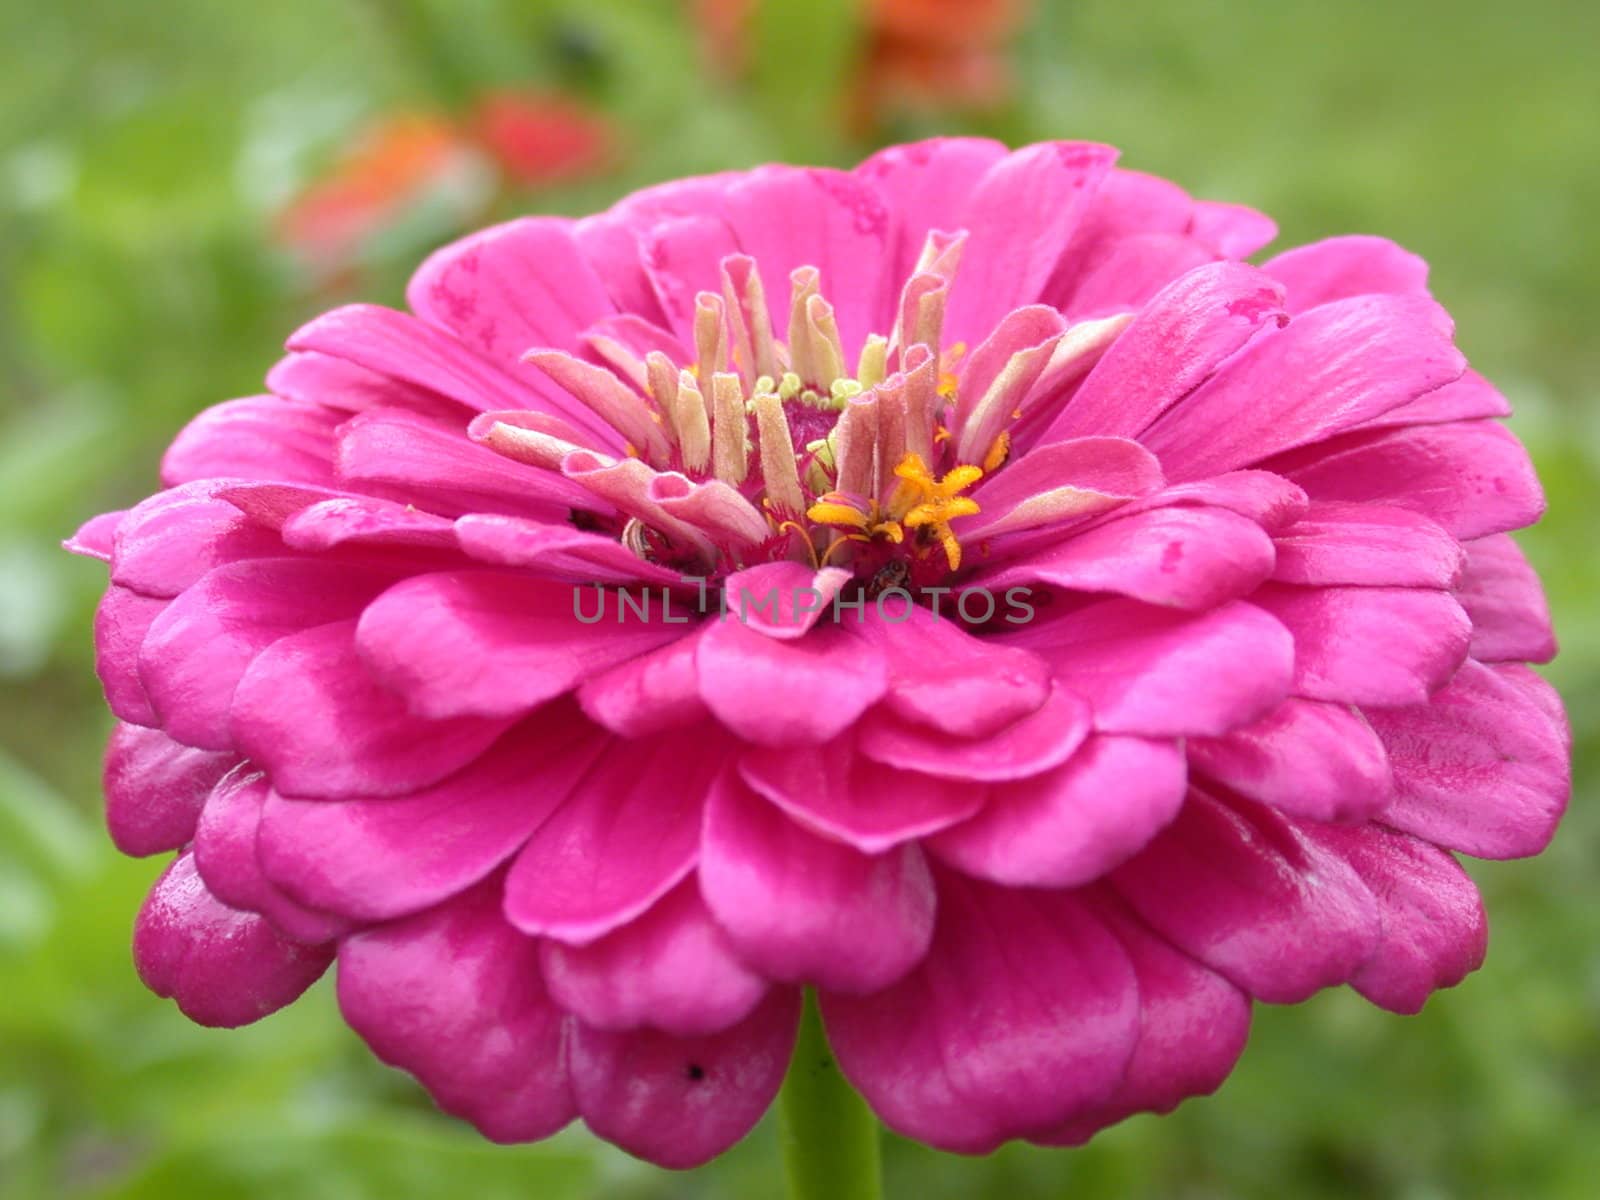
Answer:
x=199 y=648
x=155 y=788
x=1305 y=758
x=419 y=461
x=454 y=996
x=1505 y=600
x=1244 y=891
x=511 y=287
x=1467 y=399
x=943 y=677
x=1174 y=343
x=671 y=968
x=1337 y=268
x=1327 y=371
x=1192 y=1029
x=491 y=643
x=806 y=909
x=1472 y=477
x=1031 y=198
x=789 y=217
x=169 y=541
x=378 y=859
x=1070 y=825
x=1434 y=929
x=838 y=792
x=1043 y=739
x=224 y=968
x=926 y=185
x=1183 y=556
x=785 y=693
x=94 y=537
x=649 y=694
x=309 y=713
x=1160 y=673
x=1024 y=1012
x=1370 y=645
x=1484 y=766
x=626 y=837
x=362 y=521
x=1271 y=501
x=1126 y=274
x=1367 y=544
x=225 y=856
x=557 y=551
x=682 y=258
x=680 y=1102
x=121 y=622
x=261 y=437
x=312 y=378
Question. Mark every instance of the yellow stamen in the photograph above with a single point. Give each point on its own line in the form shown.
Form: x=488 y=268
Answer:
x=998 y=453
x=921 y=501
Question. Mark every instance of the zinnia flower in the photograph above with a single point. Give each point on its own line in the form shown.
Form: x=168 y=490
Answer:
x=1036 y=852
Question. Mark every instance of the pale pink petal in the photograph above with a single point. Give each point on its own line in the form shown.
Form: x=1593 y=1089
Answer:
x=671 y=969
x=626 y=837
x=1023 y=1013
x=1370 y=645
x=680 y=1102
x=1157 y=672
x=1305 y=758
x=454 y=996
x=309 y=713
x=806 y=909
x=262 y=437
x=223 y=967
x=1337 y=268
x=155 y=788
x=1068 y=826
x=1368 y=544
x=1052 y=485
x=1434 y=929
x=377 y=859
x=1502 y=595
x=1241 y=889
x=1484 y=766
x=786 y=693
x=1044 y=738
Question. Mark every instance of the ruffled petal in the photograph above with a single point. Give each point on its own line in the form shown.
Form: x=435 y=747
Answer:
x=1367 y=544
x=155 y=788
x=1044 y=738
x=166 y=543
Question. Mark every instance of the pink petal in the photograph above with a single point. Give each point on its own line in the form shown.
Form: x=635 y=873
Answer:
x=1024 y=1012
x=784 y=693
x=225 y=856
x=364 y=522
x=1370 y=645
x=1244 y=891
x=679 y=1102
x=224 y=968
x=262 y=437
x=1467 y=399
x=556 y=551
x=838 y=792
x=1174 y=344
x=1484 y=766
x=1367 y=544
x=1186 y=556
x=1434 y=930
x=1160 y=673
x=1472 y=477
x=166 y=543
x=201 y=646
x=1070 y=825
x=1128 y=273
x=927 y=185
x=670 y=969
x=122 y=620
x=1234 y=229
x=1271 y=501
x=453 y=995
x=1044 y=738
x=491 y=643
x=1327 y=371
x=309 y=713
x=379 y=859
x=1305 y=758
x=805 y=909
x=155 y=788
x=624 y=839
x=1503 y=597
x=682 y=258
x=312 y=378
x=649 y=694
x=782 y=599
x=1054 y=484
x=94 y=537
x=1337 y=268
x=943 y=677
x=511 y=287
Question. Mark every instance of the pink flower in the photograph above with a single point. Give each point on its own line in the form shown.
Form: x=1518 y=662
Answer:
x=1037 y=867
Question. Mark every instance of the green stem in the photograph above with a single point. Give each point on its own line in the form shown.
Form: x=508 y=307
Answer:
x=829 y=1135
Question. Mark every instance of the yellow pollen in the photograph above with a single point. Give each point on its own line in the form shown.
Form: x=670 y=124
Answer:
x=998 y=453
x=921 y=501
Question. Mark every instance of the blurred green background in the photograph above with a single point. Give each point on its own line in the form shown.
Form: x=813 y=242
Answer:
x=145 y=150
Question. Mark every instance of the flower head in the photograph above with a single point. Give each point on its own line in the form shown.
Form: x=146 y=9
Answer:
x=1147 y=659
